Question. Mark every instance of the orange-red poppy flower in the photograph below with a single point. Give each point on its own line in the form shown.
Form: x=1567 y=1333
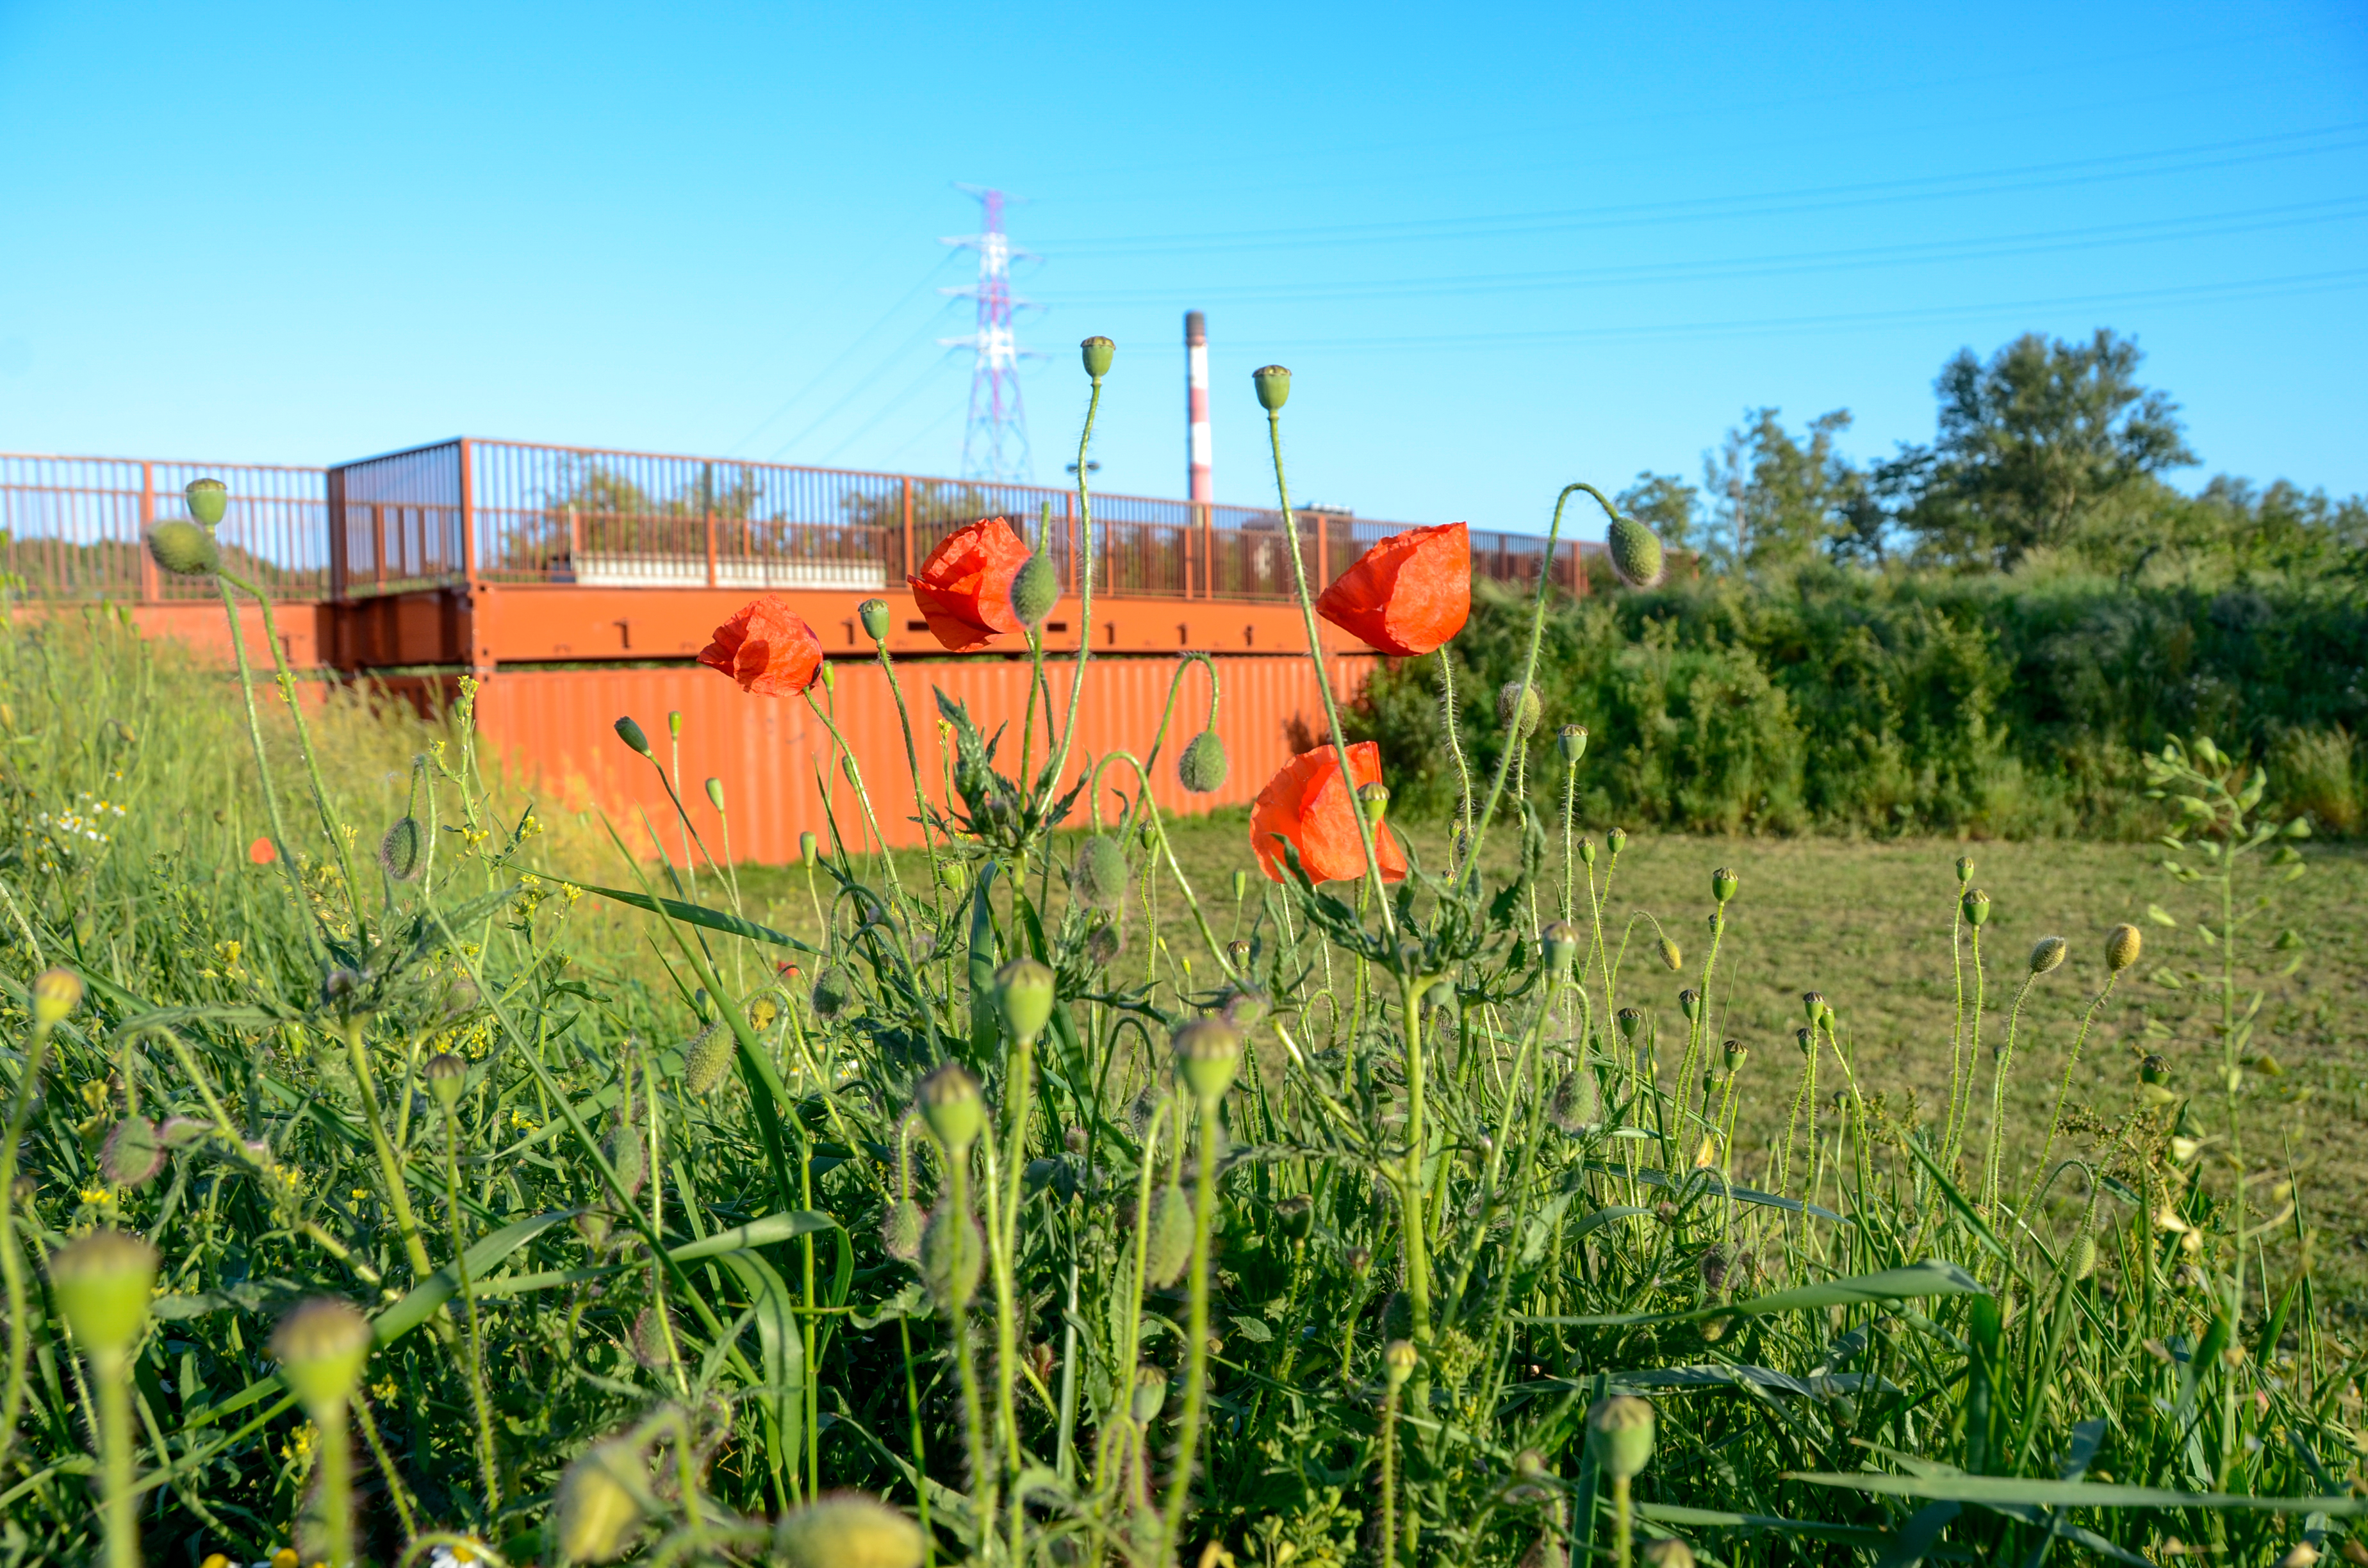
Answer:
x=262 y=852
x=767 y=648
x=1409 y=594
x=1310 y=805
x=964 y=588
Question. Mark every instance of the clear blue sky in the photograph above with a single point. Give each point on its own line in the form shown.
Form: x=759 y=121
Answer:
x=1501 y=247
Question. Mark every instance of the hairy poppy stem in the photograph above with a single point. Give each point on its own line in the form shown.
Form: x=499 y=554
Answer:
x=1085 y=606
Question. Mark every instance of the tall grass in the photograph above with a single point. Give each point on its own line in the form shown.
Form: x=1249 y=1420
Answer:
x=1416 y=1230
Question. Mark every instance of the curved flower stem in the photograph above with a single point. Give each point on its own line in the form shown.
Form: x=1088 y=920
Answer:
x=262 y=769
x=1529 y=664
x=2064 y=1089
x=1085 y=608
x=1195 y=1350
x=1455 y=750
x=1997 y=1103
x=398 y=1196
x=476 y=1341
x=1418 y=1253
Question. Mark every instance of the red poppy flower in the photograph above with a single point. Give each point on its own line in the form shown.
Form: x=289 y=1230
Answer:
x=767 y=648
x=964 y=588
x=1409 y=594
x=262 y=852
x=1309 y=804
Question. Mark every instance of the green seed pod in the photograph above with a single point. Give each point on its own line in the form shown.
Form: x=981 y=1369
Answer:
x=1666 y=1552
x=1586 y=852
x=1237 y=955
x=673 y=723
x=1630 y=1020
x=807 y=847
x=401 y=849
x=629 y=1153
x=1571 y=741
x=874 y=616
x=208 y=499
x=1097 y=353
x=953 y=1107
x=1241 y=886
x=1170 y=1247
x=1620 y=1434
x=184 y=549
x=1616 y=840
x=1689 y=1002
x=1736 y=1054
x=715 y=793
x=1273 y=384
x=2047 y=952
x=849 y=1529
x=322 y=1345
x=2123 y=944
x=55 y=993
x=1519 y=709
x=1976 y=907
x=2154 y=1070
x=1813 y=1004
x=707 y=1058
x=1244 y=1007
x=1398 y=1362
x=1722 y=883
x=1374 y=798
x=1713 y=1080
x=596 y=1513
x=1101 y=879
x=1024 y=990
x=952 y=1254
x=1671 y=958
x=900 y=1232
x=1635 y=553
x=1295 y=1216
x=101 y=1283
x=1035 y=589
x=1208 y=1055
x=131 y=1154
x=1806 y=1041
x=1150 y=1394
x=1559 y=944
x=1578 y=1103
x=446 y=1076
x=1202 y=765
x=1964 y=869
x=631 y=734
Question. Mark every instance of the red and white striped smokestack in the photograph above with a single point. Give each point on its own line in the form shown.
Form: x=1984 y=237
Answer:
x=1195 y=405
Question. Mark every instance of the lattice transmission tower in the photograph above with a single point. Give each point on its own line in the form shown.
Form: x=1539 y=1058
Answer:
x=995 y=443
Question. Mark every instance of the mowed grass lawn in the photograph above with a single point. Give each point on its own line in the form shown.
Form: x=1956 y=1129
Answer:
x=1867 y=924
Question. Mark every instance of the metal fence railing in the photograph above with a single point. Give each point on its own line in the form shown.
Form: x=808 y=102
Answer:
x=75 y=527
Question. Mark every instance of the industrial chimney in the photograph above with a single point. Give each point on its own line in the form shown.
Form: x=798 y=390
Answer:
x=1196 y=408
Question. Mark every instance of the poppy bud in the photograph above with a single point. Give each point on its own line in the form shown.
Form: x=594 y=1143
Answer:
x=184 y=549
x=130 y=1154
x=2122 y=946
x=208 y=499
x=1397 y=1362
x=1671 y=956
x=1738 y=1053
x=1244 y=1007
x=1241 y=886
x=1586 y=851
x=322 y=1347
x=1571 y=741
x=1208 y=1055
x=1101 y=879
x=1722 y=883
x=2082 y=1263
x=873 y=614
x=952 y=1105
x=1150 y=1394
x=446 y=1076
x=833 y=993
x=1375 y=799
x=1273 y=384
x=707 y=1058
x=848 y=1529
x=1035 y=589
x=1359 y=1259
x=1977 y=908
x=1666 y=1552
x=55 y=993
x=1630 y=1020
x=1620 y=1433
x=953 y=1253
x=1616 y=840
x=1578 y=1102
x=1170 y=1245
x=1964 y=869
x=101 y=1283
x=1519 y=709
x=2047 y=952
x=1558 y=944
x=1023 y=988
x=1635 y=552
x=1295 y=1215
x=1202 y=766
x=631 y=734
x=1104 y=942
x=1689 y=1002
x=401 y=848
x=1097 y=353
x=900 y=1232
x=595 y=1513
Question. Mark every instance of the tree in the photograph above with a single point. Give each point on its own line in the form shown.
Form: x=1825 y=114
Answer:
x=1776 y=500
x=1665 y=504
x=2034 y=444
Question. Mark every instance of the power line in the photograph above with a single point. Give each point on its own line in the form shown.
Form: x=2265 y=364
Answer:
x=845 y=354
x=887 y=362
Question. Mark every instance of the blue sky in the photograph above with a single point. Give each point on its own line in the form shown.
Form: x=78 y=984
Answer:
x=1501 y=247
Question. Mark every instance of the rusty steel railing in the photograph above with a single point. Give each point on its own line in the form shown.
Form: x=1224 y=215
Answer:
x=75 y=527
x=506 y=512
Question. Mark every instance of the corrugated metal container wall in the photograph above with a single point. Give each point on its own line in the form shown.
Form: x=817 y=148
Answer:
x=557 y=726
